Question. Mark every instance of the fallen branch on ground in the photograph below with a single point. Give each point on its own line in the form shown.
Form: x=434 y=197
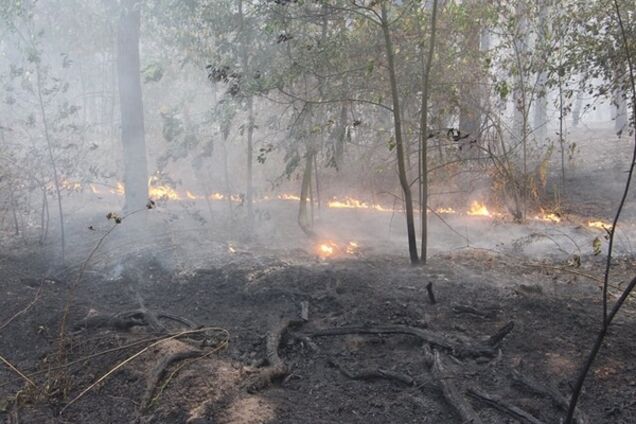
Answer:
x=379 y=374
x=497 y=403
x=465 y=309
x=547 y=391
x=124 y=321
x=458 y=346
x=276 y=368
x=160 y=370
x=452 y=393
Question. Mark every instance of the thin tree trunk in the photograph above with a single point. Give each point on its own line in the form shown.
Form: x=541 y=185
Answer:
x=424 y=133
x=541 y=103
x=250 y=152
x=14 y=213
x=226 y=172
x=305 y=188
x=49 y=145
x=397 y=122
x=131 y=107
x=317 y=182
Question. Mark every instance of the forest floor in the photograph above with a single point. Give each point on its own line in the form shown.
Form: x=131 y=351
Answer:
x=372 y=348
x=359 y=376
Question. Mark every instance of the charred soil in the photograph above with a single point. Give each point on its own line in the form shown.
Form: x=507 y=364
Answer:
x=258 y=361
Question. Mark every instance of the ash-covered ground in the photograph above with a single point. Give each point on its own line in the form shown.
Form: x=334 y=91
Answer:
x=183 y=319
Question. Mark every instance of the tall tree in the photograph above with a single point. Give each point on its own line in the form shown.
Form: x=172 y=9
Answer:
x=385 y=24
x=426 y=64
x=540 y=120
x=131 y=106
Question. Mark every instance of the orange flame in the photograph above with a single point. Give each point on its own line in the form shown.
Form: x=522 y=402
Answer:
x=326 y=249
x=448 y=211
x=352 y=248
x=548 y=217
x=286 y=196
x=600 y=225
x=192 y=196
x=478 y=209
x=351 y=203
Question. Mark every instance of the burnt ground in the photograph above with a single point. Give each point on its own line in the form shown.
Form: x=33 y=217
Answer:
x=555 y=315
x=247 y=294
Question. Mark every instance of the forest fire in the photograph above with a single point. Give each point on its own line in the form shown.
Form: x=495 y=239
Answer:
x=352 y=248
x=166 y=192
x=163 y=192
x=351 y=203
x=478 y=209
x=329 y=248
x=286 y=196
x=600 y=225
x=548 y=217
x=445 y=211
x=326 y=249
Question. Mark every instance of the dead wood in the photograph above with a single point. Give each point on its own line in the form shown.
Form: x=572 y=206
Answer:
x=502 y=406
x=548 y=391
x=305 y=340
x=452 y=393
x=465 y=309
x=431 y=295
x=501 y=334
x=458 y=345
x=375 y=374
x=276 y=368
x=160 y=371
x=304 y=311
x=124 y=321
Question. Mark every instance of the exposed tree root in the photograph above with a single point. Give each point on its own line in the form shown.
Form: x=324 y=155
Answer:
x=547 y=391
x=501 y=334
x=497 y=403
x=124 y=321
x=374 y=374
x=276 y=368
x=160 y=370
x=457 y=345
x=465 y=309
x=452 y=393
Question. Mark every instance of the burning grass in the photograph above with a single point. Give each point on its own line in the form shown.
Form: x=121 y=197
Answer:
x=601 y=225
x=329 y=249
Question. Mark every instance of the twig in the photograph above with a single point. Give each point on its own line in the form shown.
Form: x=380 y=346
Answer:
x=458 y=346
x=515 y=412
x=25 y=310
x=17 y=371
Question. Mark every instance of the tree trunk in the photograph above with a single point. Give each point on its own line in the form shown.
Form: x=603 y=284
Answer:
x=250 y=165
x=620 y=110
x=399 y=145
x=424 y=133
x=305 y=187
x=49 y=146
x=131 y=107
x=469 y=112
x=541 y=103
x=520 y=119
